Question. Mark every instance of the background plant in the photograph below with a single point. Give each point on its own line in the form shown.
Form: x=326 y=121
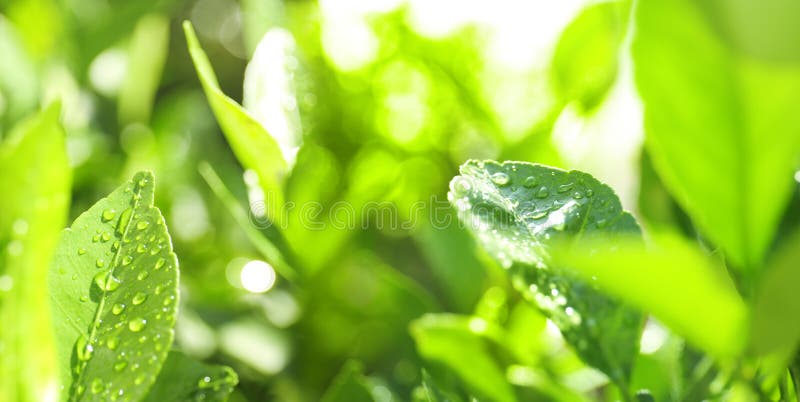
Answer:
x=680 y=112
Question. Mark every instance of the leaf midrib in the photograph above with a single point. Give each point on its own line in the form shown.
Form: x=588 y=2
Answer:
x=137 y=190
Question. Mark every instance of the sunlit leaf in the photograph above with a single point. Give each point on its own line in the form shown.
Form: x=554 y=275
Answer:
x=183 y=379
x=672 y=280
x=255 y=148
x=516 y=209
x=113 y=291
x=147 y=53
x=35 y=172
x=723 y=130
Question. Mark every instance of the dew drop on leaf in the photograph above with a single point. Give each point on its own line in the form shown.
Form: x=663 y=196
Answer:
x=137 y=324
x=112 y=342
x=124 y=219
x=530 y=181
x=139 y=298
x=120 y=365
x=500 y=179
x=100 y=263
x=142 y=275
x=108 y=215
x=126 y=260
x=84 y=349
x=543 y=192
x=142 y=225
x=81 y=251
x=117 y=309
x=160 y=263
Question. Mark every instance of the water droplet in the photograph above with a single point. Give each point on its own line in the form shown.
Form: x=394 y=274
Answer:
x=531 y=181
x=81 y=251
x=117 y=308
x=141 y=248
x=589 y=192
x=100 y=279
x=565 y=187
x=539 y=214
x=84 y=298
x=112 y=342
x=106 y=236
x=80 y=389
x=143 y=275
x=115 y=246
x=84 y=349
x=158 y=290
x=95 y=238
x=97 y=386
x=136 y=324
x=160 y=263
x=543 y=192
x=126 y=260
x=124 y=219
x=139 y=298
x=500 y=179
x=139 y=379
x=169 y=300
x=112 y=283
x=142 y=225
x=204 y=382
x=109 y=214
x=100 y=263
x=577 y=195
x=120 y=365
x=143 y=339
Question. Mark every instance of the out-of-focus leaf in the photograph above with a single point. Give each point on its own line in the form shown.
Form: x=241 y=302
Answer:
x=457 y=342
x=269 y=93
x=113 y=291
x=585 y=60
x=349 y=386
x=147 y=53
x=261 y=242
x=18 y=82
x=36 y=176
x=516 y=210
x=723 y=130
x=673 y=281
x=255 y=148
x=777 y=301
x=183 y=379
x=429 y=391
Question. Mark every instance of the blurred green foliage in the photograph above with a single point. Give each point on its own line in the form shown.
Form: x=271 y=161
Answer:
x=361 y=112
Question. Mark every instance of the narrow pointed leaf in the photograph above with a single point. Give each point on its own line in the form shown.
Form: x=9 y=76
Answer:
x=516 y=210
x=255 y=148
x=35 y=170
x=183 y=379
x=113 y=291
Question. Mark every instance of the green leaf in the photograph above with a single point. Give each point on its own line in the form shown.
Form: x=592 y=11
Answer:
x=113 y=291
x=722 y=128
x=255 y=148
x=183 y=379
x=516 y=210
x=147 y=53
x=349 y=385
x=585 y=59
x=458 y=343
x=672 y=280
x=777 y=301
x=18 y=82
x=429 y=391
x=35 y=171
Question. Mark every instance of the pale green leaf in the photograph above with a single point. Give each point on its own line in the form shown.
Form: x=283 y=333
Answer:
x=147 y=53
x=35 y=170
x=255 y=148
x=585 y=59
x=516 y=210
x=113 y=291
x=722 y=128
x=672 y=280
x=183 y=379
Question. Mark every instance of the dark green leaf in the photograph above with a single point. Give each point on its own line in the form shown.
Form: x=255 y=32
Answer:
x=516 y=210
x=349 y=386
x=113 y=291
x=183 y=379
x=35 y=171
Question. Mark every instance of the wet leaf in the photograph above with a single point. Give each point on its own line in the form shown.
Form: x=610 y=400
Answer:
x=113 y=292
x=516 y=211
x=183 y=379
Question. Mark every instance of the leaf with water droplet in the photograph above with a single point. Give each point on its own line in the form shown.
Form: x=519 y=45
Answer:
x=110 y=320
x=517 y=224
x=185 y=379
x=35 y=178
